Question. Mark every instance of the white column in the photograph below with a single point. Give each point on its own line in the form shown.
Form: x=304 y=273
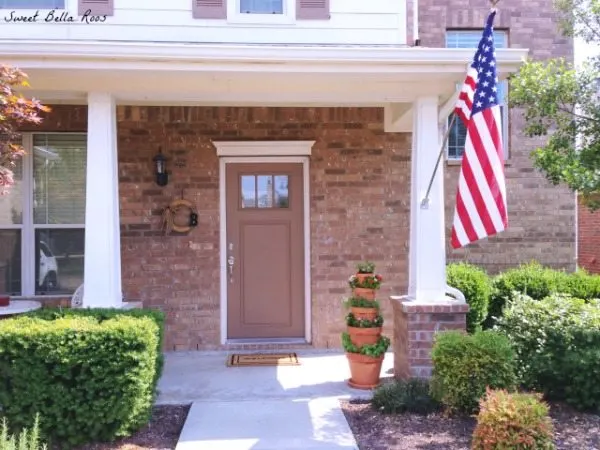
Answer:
x=102 y=276
x=427 y=257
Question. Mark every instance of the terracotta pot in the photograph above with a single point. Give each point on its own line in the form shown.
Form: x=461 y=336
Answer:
x=4 y=300
x=364 y=313
x=369 y=294
x=364 y=336
x=362 y=276
x=364 y=370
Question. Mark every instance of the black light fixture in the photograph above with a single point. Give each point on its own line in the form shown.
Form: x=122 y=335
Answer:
x=160 y=168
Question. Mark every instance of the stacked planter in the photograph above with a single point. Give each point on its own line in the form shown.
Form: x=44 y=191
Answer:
x=365 y=346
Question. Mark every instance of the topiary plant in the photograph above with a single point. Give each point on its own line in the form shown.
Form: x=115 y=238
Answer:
x=512 y=421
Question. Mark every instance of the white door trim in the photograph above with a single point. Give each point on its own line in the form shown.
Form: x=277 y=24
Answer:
x=223 y=161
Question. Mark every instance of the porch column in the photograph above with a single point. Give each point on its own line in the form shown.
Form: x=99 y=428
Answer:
x=426 y=310
x=102 y=275
x=427 y=257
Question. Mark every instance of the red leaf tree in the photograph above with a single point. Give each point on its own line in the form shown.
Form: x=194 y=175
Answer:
x=15 y=110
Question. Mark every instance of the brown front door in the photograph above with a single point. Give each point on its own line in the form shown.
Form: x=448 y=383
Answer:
x=265 y=250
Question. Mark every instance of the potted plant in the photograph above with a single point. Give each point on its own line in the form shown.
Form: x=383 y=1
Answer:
x=364 y=331
x=365 y=347
x=4 y=300
x=363 y=308
x=365 y=281
x=365 y=362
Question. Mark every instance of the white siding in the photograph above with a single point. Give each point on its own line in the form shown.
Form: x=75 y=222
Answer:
x=372 y=22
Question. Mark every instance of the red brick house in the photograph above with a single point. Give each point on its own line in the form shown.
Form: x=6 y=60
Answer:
x=303 y=138
x=588 y=239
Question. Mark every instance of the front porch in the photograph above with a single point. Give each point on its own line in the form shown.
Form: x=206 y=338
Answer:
x=358 y=108
x=273 y=407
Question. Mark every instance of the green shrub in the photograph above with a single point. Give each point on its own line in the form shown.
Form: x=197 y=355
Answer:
x=404 y=396
x=25 y=440
x=90 y=379
x=538 y=282
x=464 y=365
x=474 y=283
x=582 y=285
x=557 y=345
x=102 y=314
x=512 y=422
x=374 y=350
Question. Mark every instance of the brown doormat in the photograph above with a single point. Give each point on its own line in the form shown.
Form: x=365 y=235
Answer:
x=263 y=359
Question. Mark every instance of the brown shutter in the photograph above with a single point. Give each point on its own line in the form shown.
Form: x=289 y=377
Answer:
x=312 y=10
x=209 y=9
x=97 y=7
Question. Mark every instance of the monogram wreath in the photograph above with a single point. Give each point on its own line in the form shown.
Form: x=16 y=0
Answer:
x=171 y=212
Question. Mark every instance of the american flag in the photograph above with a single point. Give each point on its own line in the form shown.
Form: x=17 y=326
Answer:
x=481 y=196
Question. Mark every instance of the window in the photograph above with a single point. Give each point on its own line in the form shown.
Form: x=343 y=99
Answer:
x=42 y=218
x=32 y=4
x=458 y=132
x=261 y=6
x=264 y=191
x=261 y=11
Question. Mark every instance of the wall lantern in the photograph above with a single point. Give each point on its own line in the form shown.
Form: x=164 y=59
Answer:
x=160 y=168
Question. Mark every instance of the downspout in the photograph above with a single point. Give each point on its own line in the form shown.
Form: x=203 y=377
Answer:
x=416 y=38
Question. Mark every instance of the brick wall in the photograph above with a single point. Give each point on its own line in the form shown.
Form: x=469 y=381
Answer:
x=589 y=239
x=359 y=206
x=541 y=216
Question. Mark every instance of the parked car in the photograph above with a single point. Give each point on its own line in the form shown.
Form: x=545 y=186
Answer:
x=48 y=269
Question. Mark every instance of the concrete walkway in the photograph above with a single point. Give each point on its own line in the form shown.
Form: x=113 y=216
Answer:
x=260 y=408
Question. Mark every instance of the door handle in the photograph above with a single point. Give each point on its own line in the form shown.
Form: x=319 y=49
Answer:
x=230 y=263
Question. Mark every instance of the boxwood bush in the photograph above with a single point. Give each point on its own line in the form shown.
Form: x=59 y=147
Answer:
x=90 y=375
x=557 y=344
x=474 y=283
x=538 y=282
x=102 y=314
x=465 y=365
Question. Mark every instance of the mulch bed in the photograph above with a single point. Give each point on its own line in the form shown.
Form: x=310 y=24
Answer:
x=376 y=431
x=161 y=433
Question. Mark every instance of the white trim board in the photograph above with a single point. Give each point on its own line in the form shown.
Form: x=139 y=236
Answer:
x=223 y=161
x=264 y=148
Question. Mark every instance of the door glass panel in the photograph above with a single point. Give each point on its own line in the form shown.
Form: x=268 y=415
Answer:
x=282 y=199
x=265 y=191
x=248 y=191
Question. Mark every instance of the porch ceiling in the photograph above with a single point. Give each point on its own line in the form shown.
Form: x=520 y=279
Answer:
x=150 y=73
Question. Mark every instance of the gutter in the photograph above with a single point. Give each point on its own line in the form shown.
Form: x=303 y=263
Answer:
x=263 y=54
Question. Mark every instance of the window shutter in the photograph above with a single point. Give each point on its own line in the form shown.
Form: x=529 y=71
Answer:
x=98 y=7
x=312 y=10
x=209 y=9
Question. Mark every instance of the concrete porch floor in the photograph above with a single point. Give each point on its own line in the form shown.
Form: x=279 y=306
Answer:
x=243 y=408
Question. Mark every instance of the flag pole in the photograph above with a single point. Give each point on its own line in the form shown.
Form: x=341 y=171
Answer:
x=425 y=201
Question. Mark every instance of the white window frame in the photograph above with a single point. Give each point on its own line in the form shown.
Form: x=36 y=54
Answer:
x=65 y=4
x=476 y=35
x=235 y=16
x=27 y=225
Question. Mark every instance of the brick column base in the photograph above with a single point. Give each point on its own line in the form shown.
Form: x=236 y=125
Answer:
x=414 y=328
